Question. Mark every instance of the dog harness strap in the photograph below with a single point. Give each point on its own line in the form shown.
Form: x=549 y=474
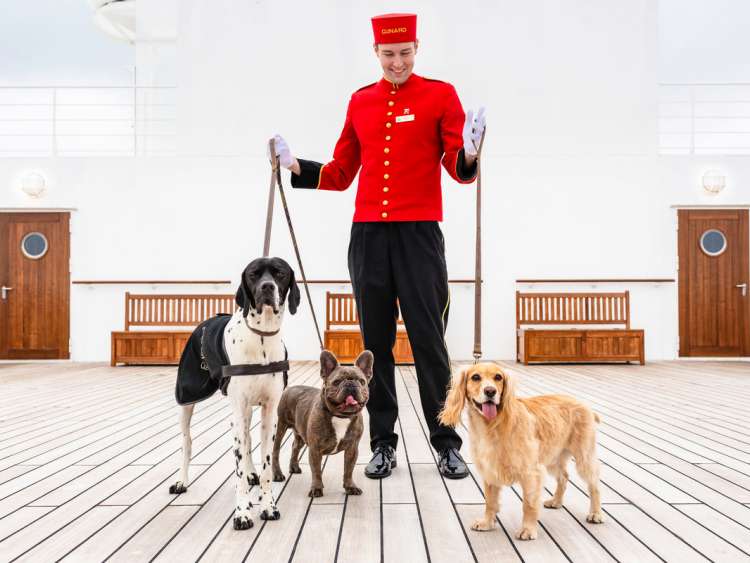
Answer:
x=254 y=369
x=227 y=372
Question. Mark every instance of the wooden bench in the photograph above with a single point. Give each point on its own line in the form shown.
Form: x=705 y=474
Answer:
x=576 y=344
x=164 y=315
x=342 y=335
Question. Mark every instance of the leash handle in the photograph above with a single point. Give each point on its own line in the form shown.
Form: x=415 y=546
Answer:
x=269 y=211
x=276 y=177
x=478 y=259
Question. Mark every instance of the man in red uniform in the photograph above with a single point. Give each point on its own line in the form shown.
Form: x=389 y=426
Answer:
x=398 y=131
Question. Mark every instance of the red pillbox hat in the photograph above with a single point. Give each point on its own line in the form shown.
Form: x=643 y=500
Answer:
x=394 y=28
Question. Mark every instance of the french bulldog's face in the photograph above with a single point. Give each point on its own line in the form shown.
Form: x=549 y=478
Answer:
x=268 y=282
x=345 y=389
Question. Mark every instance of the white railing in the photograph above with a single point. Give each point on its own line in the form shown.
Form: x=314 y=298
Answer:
x=141 y=120
x=712 y=118
x=87 y=121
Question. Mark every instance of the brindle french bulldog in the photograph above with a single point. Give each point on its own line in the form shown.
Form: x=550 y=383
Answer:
x=328 y=420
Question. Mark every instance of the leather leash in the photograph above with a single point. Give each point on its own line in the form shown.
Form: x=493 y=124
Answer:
x=478 y=259
x=269 y=210
x=276 y=179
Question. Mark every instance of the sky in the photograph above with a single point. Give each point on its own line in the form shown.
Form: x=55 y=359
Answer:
x=704 y=41
x=55 y=42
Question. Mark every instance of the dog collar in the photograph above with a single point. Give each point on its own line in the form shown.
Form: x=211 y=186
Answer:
x=261 y=332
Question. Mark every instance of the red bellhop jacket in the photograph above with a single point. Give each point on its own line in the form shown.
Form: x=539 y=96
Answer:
x=398 y=135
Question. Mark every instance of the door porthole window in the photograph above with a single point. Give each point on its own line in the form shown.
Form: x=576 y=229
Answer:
x=713 y=242
x=34 y=246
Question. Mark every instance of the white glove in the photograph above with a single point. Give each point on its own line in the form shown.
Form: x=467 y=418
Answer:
x=286 y=159
x=473 y=129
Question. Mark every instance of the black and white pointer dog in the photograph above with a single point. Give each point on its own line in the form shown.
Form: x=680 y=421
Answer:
x=250 y=338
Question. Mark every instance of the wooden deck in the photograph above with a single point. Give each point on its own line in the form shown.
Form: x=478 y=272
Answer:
x=87 y=453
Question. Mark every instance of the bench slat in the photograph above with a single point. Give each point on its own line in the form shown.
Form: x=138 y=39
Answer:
x=174 y=310
x=573 y=308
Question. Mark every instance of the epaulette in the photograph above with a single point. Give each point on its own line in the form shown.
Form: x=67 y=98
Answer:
x=364 y=87
x=434 y=80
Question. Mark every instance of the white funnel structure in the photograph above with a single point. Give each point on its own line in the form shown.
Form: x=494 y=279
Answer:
x=116 y=18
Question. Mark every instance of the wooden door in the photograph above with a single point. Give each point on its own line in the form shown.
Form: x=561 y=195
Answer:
x=34 y=269
x=714 y=307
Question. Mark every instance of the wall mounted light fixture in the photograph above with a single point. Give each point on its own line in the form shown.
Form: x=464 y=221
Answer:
x=34 y=184
x=714 y=181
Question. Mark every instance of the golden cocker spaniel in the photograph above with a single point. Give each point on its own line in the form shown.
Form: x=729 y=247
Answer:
x=514 y=439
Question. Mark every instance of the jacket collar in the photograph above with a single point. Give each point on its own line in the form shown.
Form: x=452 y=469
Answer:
x=388 y=85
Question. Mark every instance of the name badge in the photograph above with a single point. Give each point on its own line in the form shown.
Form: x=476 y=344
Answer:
x=402 y=118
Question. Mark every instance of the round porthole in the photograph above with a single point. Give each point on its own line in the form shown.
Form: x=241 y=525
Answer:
x=713 y=242
x=34 y=245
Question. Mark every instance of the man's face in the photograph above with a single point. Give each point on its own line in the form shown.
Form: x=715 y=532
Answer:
x=397 y=60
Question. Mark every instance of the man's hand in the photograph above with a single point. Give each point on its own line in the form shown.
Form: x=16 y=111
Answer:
x=286 y=159
x=473 y=129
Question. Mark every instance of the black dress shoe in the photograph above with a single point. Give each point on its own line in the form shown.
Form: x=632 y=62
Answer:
x=383 y=460
x=452 y=465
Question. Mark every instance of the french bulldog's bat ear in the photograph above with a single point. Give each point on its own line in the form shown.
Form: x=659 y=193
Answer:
x=365 y=362
x=328 y=363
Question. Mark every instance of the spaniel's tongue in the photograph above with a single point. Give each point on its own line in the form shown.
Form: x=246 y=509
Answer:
x=489 y=410
x=351 y=401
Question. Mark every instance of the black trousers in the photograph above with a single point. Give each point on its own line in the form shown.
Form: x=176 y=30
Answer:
x=404 y=261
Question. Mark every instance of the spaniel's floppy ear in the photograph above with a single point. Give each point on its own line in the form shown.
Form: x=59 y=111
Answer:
x=509 y=391
x=454 y=402
x=244 y=297
x=294 y=296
